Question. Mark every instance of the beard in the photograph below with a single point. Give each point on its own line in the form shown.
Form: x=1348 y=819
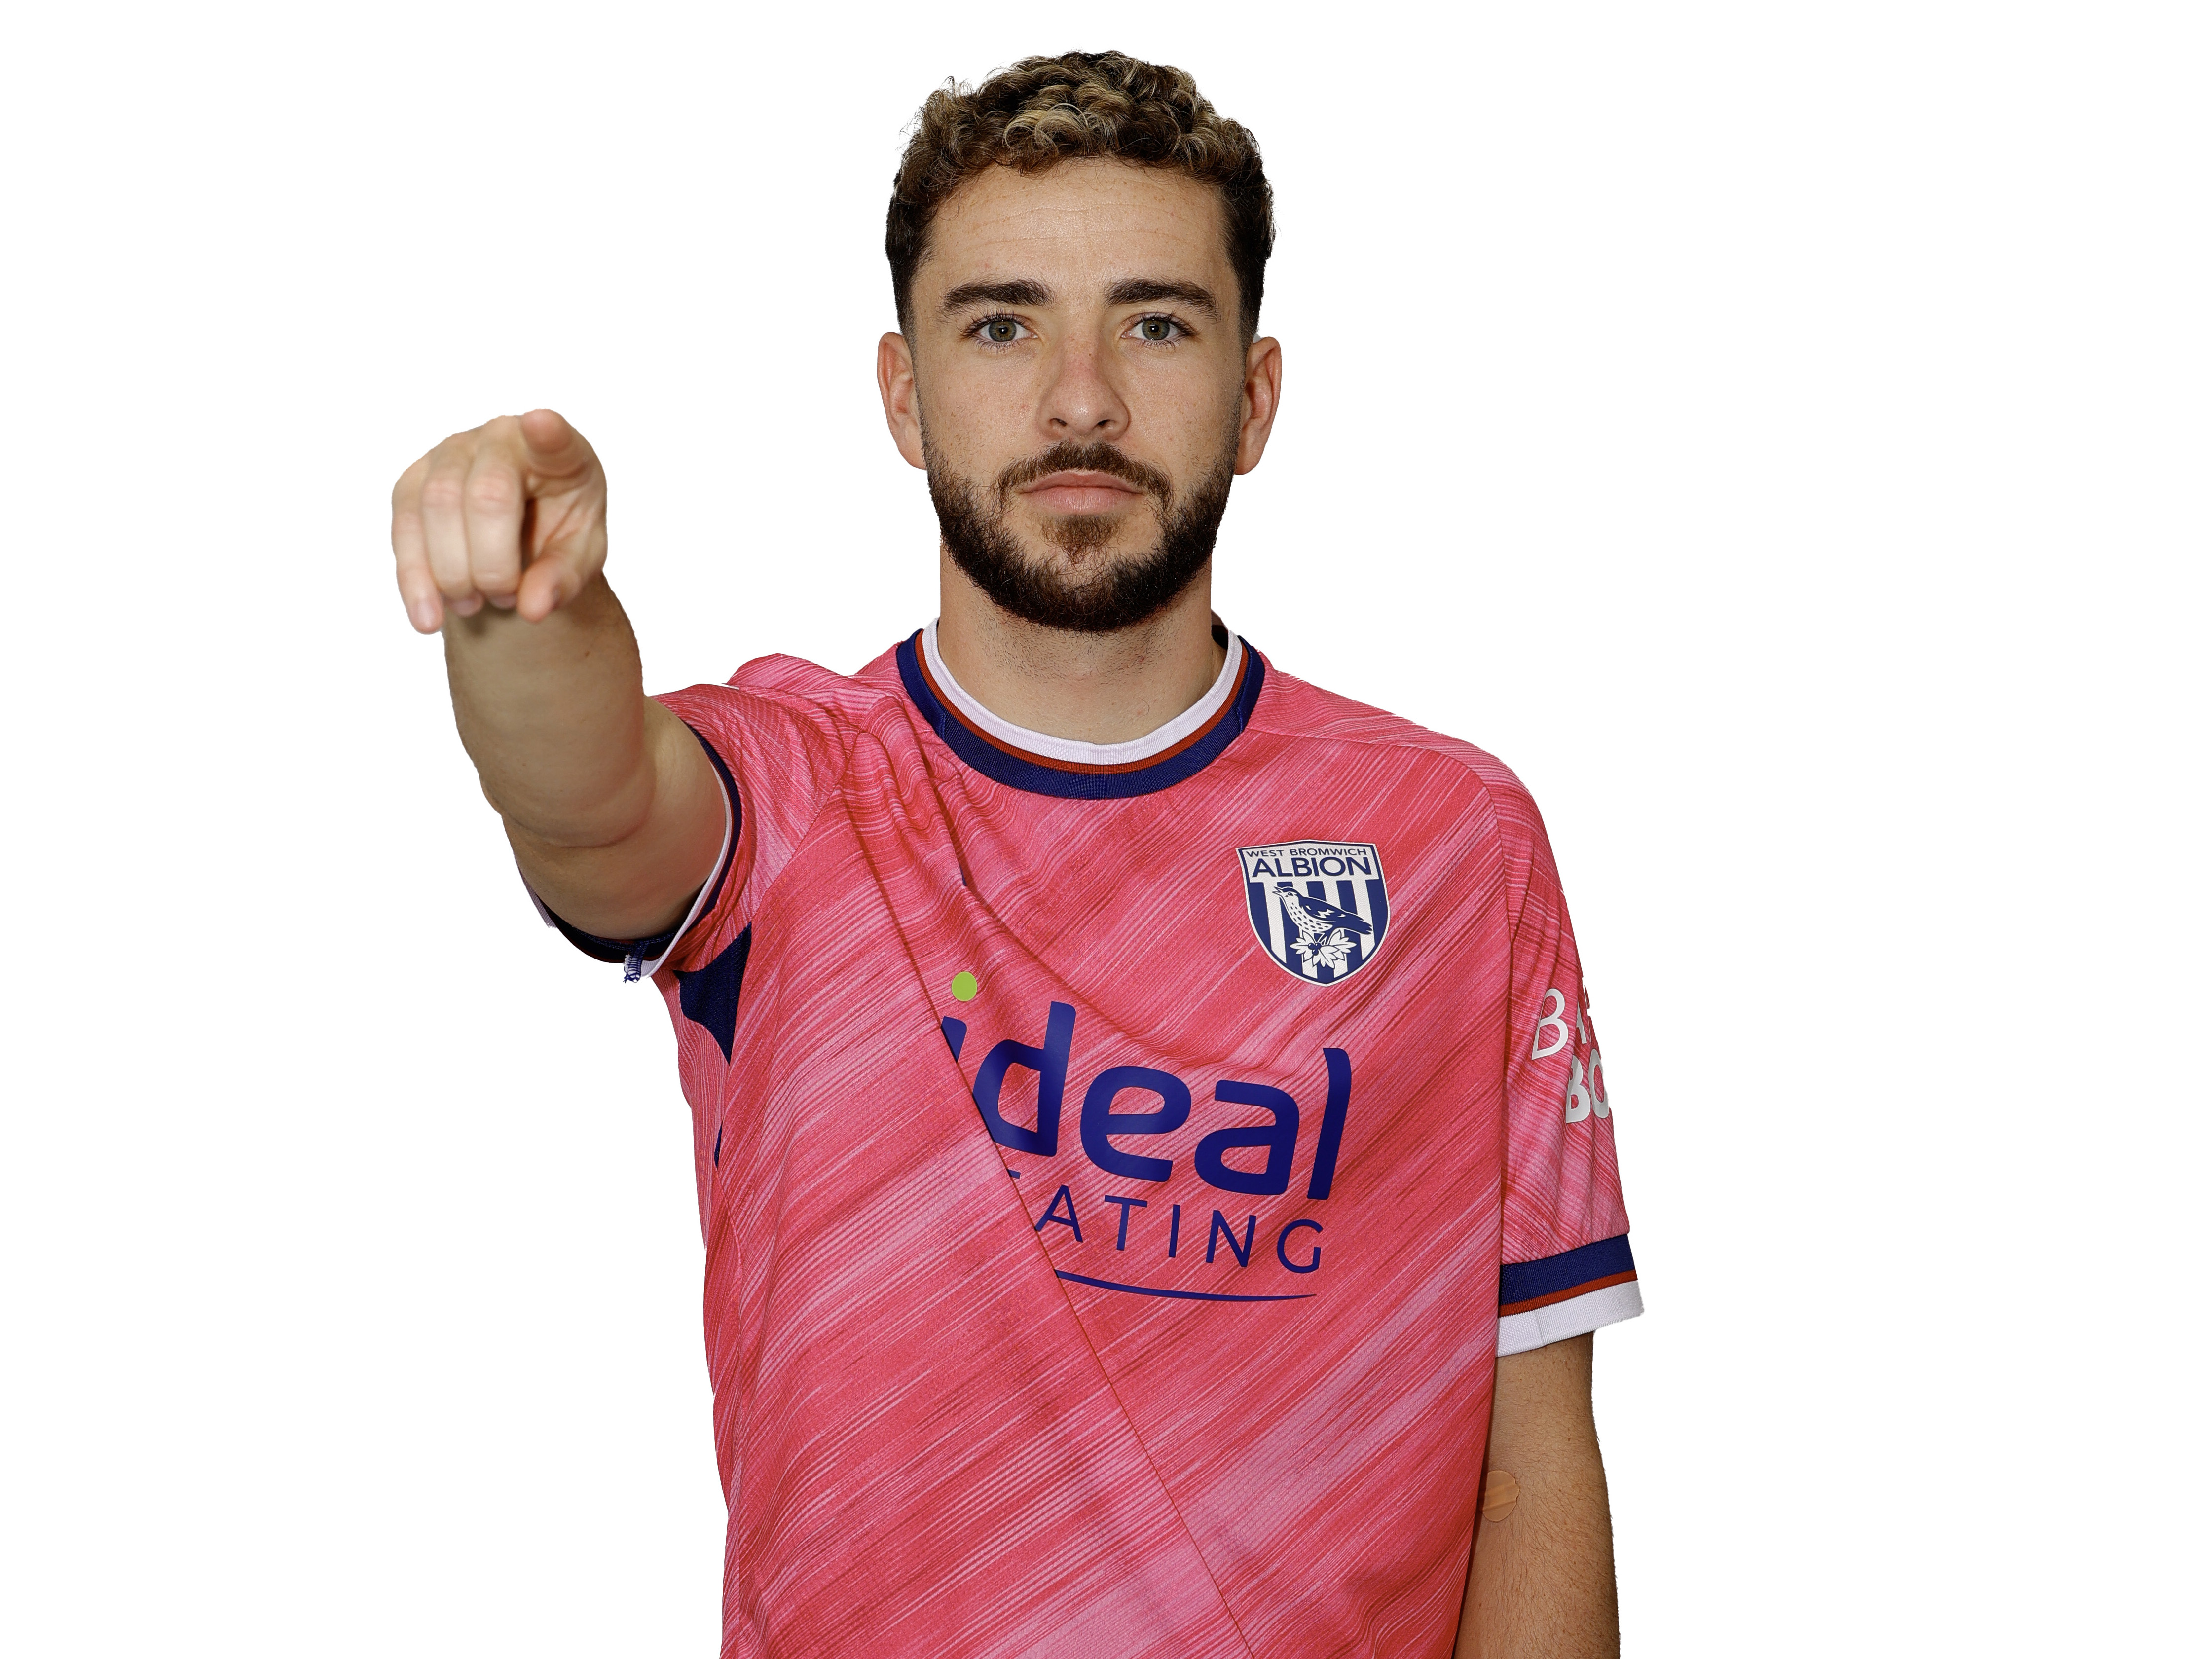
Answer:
x=1119 y=594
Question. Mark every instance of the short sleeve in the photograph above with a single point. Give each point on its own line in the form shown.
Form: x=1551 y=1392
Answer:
x=780 y=753
x=1565 y=1268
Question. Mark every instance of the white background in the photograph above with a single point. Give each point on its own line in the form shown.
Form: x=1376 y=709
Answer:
x=1779 y=432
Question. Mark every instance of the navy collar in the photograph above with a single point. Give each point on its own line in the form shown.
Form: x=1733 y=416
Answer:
x=1041 y=775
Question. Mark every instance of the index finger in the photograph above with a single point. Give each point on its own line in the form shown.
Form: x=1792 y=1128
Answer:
x=552 y=450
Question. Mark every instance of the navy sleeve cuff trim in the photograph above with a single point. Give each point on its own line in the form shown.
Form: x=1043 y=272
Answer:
x=609 y=950
x=1522 y=1285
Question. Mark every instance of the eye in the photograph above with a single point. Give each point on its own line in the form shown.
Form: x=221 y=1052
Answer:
x=1160 y=331
x=998 y=330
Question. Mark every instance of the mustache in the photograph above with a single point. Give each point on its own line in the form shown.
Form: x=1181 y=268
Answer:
x=1068 y=456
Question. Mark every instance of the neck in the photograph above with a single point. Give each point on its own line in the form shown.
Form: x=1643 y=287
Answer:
x=1091 y=688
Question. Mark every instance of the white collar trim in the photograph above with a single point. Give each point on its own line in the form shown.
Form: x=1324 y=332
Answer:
x=1192 y=719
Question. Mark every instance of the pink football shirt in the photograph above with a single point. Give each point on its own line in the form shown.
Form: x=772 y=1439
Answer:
x=1122 y=1166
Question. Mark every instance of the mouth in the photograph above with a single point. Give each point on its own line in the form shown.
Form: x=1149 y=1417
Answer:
x=1073 y=492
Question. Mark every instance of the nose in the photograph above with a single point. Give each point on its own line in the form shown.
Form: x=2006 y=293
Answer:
x=1080 y=400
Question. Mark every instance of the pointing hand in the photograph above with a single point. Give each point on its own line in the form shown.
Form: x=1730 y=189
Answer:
x=514 y=513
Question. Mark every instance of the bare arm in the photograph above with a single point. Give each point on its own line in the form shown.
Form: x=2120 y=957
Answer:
x=613 y=810
x=1540 y=1584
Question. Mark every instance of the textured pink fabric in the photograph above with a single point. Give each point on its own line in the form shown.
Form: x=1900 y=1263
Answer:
x=933 y=1443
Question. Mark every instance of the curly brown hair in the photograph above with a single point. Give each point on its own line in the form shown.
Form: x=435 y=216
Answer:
x=1047 y=110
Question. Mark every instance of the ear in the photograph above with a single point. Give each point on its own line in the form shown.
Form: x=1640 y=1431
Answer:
x=902 y=410
x=1263 y=392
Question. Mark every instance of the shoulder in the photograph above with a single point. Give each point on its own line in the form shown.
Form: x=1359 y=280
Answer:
x=1483 y=819
x=1295 y=711
x=787 y=727
x=793 y=688
x=795 y=680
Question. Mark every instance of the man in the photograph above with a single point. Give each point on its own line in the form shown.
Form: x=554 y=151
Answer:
x=1143 y=1103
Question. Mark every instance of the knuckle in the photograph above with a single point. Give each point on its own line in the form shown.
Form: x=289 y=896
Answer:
x=442 y=492
x=494 y=489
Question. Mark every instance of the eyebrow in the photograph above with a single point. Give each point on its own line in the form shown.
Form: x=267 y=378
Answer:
x=1145 y=290
x=1022 y=291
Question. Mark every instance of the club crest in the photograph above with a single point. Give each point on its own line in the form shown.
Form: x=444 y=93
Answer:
x=1318 y=908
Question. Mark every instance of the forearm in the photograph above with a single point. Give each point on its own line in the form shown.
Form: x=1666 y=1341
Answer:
x=610 y=806
x=1540 y=1585
x=553 y=715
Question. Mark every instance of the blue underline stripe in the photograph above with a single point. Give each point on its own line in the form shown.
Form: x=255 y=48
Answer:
x=1180 y=1296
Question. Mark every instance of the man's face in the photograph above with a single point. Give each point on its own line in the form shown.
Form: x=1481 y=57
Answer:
x=1078 y=389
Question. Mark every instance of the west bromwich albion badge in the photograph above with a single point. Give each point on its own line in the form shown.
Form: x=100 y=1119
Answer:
x=1318 y=908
